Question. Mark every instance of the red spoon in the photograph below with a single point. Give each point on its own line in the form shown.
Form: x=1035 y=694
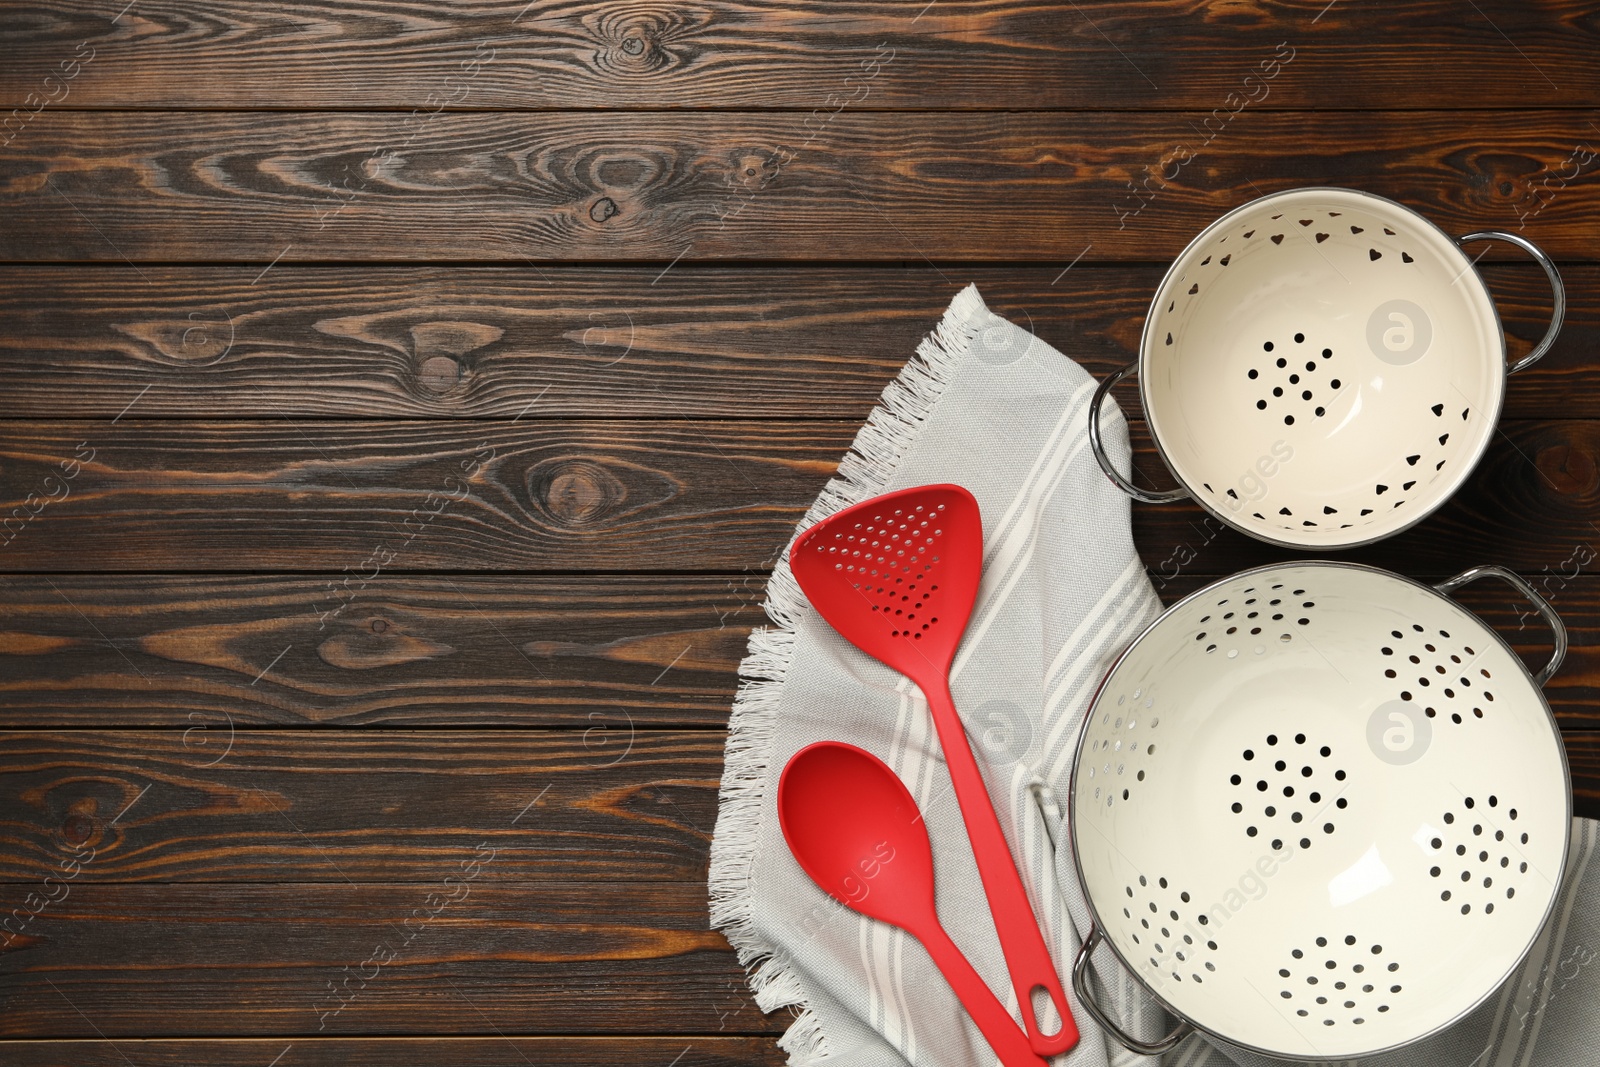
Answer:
x=897 y=576
x=855 y=829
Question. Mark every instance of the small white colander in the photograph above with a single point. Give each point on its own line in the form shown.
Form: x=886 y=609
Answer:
x=1320 y=810
x=1322 y=368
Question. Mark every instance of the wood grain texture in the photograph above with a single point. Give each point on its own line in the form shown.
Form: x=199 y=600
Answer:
x=594 y=652
x=359 y=806
x=636 y=186
x=955 y=54
x=353 y=807
x=332 y=342
x=501 y=958
x=510 y=1051
x=602 y=654
x=525 y=954
x=378 y=497
x=574 y=495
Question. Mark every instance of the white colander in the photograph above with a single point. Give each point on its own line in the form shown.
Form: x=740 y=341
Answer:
x=1319 y=810
x=1321 y=368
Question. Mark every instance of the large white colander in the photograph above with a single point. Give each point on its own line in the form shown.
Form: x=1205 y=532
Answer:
x=1319 y=810
x=1322 y=368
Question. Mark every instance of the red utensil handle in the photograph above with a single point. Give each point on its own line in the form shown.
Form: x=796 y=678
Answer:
x=1027 y=959
x=996 y=1024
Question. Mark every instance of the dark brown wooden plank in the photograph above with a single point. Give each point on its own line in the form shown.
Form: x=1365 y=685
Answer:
x=1040 y=186
x=509 y=1051
x=585 y=495
x=595 y=652
x=502 y=957
x=213 y=342
x=359 y=806
x=379 y=497
x=601 y=653
x=953 y=54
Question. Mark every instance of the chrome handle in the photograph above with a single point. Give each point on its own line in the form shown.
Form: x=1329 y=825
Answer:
x=1098 y=447
x=1558 y=291
x=1080 y=986
x=1521 y=585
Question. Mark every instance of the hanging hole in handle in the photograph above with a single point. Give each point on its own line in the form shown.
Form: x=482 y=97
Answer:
x=1097 y=446
x=1080 y=985
x=1558 y=292
x=1046 y=1020
x=1558 y=629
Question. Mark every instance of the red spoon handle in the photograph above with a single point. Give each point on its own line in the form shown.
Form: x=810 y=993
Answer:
x=996 y=1024
x=1027 y=959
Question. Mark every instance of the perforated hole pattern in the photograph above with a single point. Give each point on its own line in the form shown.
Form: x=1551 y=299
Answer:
x=891 y=559
x=1477 y=857
x=1316 y=236
x=1167 y=924
x=1339 y=981
x=1119 y=755
x=1384 y=494
x=1288 y=788
x=1253 y=618
x=1437 y=672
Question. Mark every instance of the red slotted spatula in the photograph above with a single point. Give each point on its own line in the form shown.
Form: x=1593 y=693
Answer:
x=897 y=576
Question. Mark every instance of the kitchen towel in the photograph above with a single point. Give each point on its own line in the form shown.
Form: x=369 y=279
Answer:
x=987 y=405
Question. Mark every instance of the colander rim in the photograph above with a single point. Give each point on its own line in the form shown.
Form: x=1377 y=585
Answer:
x=1147 y=351
x=1094 y=912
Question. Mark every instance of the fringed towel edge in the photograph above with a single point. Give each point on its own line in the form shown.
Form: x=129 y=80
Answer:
x=863 y=472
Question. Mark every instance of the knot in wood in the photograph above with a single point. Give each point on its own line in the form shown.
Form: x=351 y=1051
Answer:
x=638 y=43
x=441 y=346
x=439 y=373
x=603 y=209
x=576 y=492
x=76 y=829
x=751 y=171
x=1569 y=468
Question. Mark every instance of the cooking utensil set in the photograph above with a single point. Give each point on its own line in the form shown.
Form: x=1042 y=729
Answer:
x=1318 y=810
x=897 y=576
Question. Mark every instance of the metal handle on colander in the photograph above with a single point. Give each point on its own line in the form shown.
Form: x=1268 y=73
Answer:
x=1080 y=986
x=1521 y=585
x=1558 y=291
x=1145 y=495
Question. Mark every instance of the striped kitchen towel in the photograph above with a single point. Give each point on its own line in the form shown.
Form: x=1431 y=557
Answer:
x=987 y=405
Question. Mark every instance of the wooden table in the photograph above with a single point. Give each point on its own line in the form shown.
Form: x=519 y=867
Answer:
x=405 y=402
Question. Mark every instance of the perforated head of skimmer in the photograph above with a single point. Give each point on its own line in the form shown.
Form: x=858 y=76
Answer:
x=1322 y=367
x=1320 y=810
x=897 y=574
